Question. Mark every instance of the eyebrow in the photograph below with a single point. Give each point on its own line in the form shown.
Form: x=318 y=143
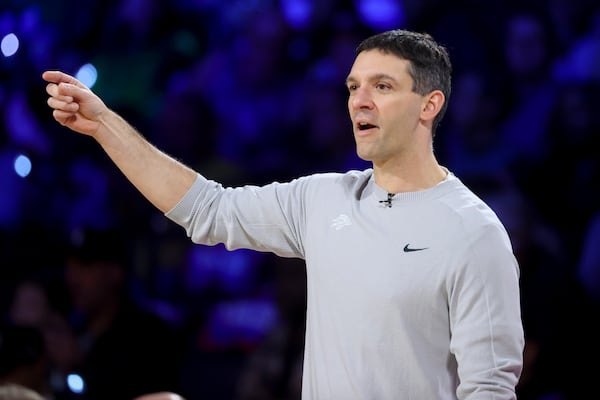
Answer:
x=375 y=77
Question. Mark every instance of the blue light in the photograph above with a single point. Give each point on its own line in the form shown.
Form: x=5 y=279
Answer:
x=22 y=166
x=381 y=14
x=297 y=13
x=9 y=44
x=75 y=383
x=87 y=75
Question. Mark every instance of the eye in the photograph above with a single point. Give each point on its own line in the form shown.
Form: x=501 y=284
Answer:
x=352 y=87
x=382 y=86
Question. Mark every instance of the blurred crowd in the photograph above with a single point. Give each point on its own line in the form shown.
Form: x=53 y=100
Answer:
x=102 y=297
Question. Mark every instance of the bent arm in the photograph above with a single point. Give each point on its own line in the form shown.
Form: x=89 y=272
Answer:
x=162 y=179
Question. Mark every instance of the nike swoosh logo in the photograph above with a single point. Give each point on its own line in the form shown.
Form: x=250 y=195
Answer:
x=409 y=249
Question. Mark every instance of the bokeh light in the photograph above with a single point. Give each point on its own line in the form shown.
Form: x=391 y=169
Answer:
x=75 y=383
x=297 y=12
x=9 y=45
x=22 y=165
x=381 y=14
x=87 y=74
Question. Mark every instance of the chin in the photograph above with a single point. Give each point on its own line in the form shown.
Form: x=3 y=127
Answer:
x=364 y=155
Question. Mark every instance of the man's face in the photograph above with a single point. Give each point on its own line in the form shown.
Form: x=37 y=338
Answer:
x=383 y=108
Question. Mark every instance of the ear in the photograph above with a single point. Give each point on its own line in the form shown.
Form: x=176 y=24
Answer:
x=432 y=105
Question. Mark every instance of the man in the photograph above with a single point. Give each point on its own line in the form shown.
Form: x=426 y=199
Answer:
x=412 y=285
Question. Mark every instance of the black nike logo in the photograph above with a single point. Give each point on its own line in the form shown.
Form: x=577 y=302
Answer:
x=409 y=249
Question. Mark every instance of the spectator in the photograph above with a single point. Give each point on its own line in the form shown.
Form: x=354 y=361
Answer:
x=125 y=351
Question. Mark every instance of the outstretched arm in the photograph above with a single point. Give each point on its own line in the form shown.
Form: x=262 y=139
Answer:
x=159 y=177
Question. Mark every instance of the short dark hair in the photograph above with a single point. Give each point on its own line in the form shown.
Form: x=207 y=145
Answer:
x=430 y=66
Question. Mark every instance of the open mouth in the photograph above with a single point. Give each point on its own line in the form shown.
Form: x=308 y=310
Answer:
x=363 y=126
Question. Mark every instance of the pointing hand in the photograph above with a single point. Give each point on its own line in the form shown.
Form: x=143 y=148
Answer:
x=75 y=105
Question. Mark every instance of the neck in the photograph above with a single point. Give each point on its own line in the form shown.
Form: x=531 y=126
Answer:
x=409 y=175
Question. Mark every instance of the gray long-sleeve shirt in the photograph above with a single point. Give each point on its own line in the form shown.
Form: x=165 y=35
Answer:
x=416 y=301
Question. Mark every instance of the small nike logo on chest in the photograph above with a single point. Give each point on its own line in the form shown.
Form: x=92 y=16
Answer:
x=409 y=249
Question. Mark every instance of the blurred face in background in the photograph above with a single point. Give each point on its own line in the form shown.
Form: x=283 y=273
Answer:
x=93 y=285
x=526 y=51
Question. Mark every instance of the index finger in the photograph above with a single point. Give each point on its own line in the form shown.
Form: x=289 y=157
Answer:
x=58 y=77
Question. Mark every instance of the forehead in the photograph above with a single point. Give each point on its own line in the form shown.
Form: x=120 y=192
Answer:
x=375 y=62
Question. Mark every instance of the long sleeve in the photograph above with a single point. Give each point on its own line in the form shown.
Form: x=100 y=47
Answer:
x=267 y=218
x=486 y=330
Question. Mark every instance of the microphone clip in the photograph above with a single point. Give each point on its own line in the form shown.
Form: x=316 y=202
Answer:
x=388 y=202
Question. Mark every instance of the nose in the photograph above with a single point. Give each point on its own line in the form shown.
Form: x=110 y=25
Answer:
x=360 y=98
